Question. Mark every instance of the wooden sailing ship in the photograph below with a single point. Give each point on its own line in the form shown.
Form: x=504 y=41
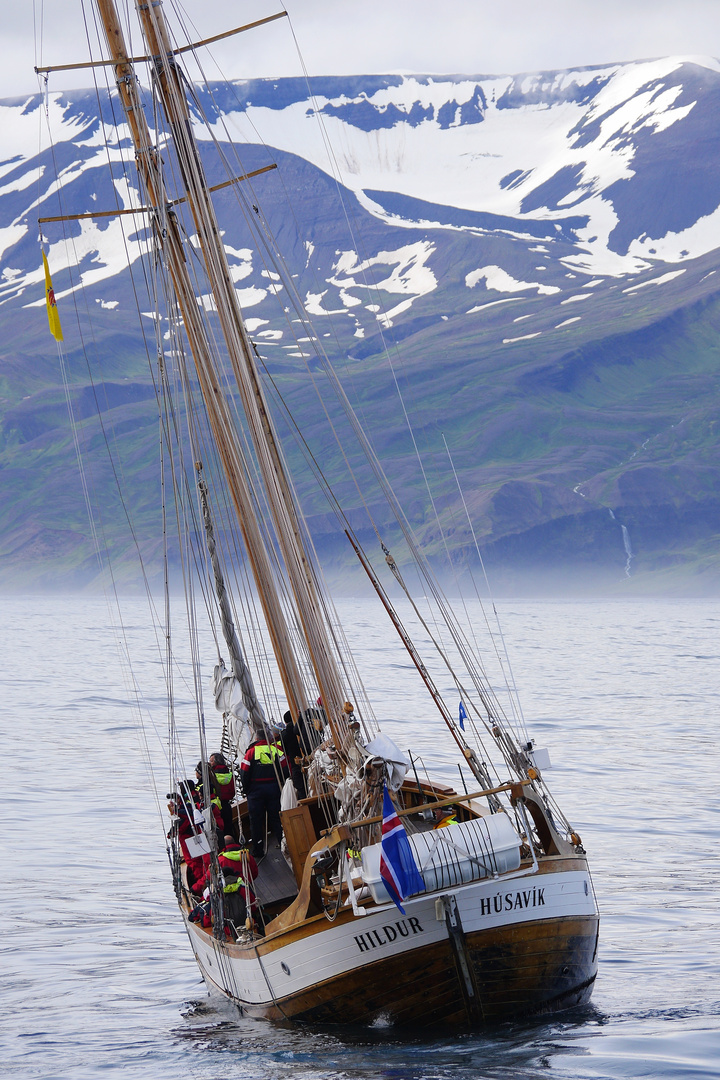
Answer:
x=507 y=922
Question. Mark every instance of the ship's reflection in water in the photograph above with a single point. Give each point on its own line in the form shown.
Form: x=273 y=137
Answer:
x=583 y=1043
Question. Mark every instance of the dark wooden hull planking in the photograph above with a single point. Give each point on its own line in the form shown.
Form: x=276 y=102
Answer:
x=517 y=971
x=520 y=970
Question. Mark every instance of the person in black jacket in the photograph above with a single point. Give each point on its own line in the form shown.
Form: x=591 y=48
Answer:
x=294 y=754
x=309 y=730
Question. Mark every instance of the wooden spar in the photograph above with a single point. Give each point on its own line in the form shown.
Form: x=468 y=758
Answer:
x=230 y=33
x=184 y=49
x=97 y=214
x=151 y=209
x=235 y=180
x=270 y=462
x=466 y=751
x=514 y=786
x=218 y=410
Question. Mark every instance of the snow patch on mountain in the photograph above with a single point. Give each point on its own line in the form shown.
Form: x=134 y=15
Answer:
x=528 y=147
x=629 y=79
x=410 y=276
x=577 y=296
x=314 y=306
x=670 y=276
x=532 y=146
x=250 y=297
x=493 y=303
x=101 y=250
x=22 y=182
x=703 y=236
x=525 y=337
x=498 y=279
x=19 y=126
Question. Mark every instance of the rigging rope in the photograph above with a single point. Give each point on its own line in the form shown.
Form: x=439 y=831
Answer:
x=191 y=556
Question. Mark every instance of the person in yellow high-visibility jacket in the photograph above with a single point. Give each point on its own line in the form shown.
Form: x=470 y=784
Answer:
x=444 y=816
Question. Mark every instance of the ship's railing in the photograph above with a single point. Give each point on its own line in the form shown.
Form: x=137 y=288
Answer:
x=514 y=787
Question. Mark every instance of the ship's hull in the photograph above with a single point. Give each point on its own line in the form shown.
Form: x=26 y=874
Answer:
x=478 y=954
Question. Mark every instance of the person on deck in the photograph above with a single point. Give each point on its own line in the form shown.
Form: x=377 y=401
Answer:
x=223 y=783
x=215 y=801
x=181 y=805
x=444 y=816
x=199 y=787
x=239 y=870
x=263 y=771
x=309 y=730
x=294 y=755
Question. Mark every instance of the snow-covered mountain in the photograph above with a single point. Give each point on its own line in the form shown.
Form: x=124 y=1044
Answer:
x=552 y=237
x=582 y=149
x=617 y=163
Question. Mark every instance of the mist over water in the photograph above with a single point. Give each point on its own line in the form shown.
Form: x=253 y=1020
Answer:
x=99 y=977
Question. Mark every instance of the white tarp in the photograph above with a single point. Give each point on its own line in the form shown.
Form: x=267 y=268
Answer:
x=398 y=763
x=288 y=796
x=446 y=858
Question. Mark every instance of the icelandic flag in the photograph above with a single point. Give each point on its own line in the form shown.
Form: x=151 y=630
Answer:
x=397 y=865
x=462 y=716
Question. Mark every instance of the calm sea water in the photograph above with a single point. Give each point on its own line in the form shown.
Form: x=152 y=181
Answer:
x=98 y=976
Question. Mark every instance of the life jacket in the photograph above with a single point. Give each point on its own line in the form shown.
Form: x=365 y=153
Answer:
x=234 y=857
x=235 y=886
x=262 y=763
x=449 y=820
x=235 y=864
x=224 y=784
x=266 y=753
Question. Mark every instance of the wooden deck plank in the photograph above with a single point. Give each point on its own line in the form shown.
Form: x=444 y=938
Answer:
x=275 y=880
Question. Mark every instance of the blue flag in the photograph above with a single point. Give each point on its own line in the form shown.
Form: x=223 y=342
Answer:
x=397 y=865
x=462 y=716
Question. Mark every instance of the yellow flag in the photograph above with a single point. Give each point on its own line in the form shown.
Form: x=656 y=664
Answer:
x=53 y=317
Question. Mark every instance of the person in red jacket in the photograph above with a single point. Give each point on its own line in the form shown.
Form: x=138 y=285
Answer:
x=263 y=771
x=239 y=870
x=216 y=805
x=182 y=807
x=222 y=782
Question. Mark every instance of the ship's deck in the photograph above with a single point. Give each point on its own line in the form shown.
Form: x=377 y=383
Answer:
x=275 y=880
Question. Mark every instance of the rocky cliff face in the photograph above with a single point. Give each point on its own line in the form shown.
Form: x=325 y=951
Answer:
x=531 y=259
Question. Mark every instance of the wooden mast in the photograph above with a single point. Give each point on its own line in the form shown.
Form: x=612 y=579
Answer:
x=277 y=487
x=279 y=495
x=214 y=395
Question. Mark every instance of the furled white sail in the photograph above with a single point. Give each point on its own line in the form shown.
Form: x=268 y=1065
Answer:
x=398 y=763
x=229 y=701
